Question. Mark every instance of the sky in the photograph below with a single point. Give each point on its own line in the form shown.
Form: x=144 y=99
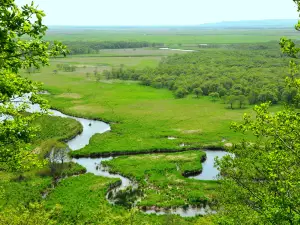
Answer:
x=160 y=12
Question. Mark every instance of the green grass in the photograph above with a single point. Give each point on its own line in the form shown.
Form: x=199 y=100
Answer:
x=173 y=36
x=82 y=200
x=17 y=193
x=160 y=176
x=102 y=61
x=141 y=117
x=56 y=128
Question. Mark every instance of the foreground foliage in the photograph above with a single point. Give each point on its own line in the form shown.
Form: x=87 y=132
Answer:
x=260 y=183
x=17 y=53
x=34 y=214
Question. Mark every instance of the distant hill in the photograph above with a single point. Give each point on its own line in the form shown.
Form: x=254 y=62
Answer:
x=244 y=24
x=252 y=24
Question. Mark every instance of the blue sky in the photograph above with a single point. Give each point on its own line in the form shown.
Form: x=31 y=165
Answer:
x=160 y=12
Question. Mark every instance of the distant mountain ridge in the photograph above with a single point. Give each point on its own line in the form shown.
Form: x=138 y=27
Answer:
x=247 y=24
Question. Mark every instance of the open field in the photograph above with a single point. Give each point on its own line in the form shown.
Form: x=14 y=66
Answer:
x=171 y=36
x=101 y=61
x=114 y=58
x=142 y=118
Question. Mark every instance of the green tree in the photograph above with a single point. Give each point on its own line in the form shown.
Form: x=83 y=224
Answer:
x=289 y=95
x=17 y=52
x=260 y=179
x=34 y=214
x=231 y=100
x=242 y=100
x=56 y=156
x=107 y=74
x=181 y=92
x=260 y=183
x=98 y=77
x=214 y=96
x=198 y=92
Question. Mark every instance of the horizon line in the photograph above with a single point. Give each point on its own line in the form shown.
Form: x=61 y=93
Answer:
x=173 y=25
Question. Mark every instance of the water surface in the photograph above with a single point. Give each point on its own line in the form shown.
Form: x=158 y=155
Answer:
x=209 y=171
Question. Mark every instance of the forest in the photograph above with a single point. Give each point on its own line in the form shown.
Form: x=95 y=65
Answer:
x=88 y=47
x=237 y=74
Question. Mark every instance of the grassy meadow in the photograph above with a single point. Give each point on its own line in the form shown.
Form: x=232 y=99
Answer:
x=160 y=177
x=190 y=36
x=56 y=128
x=142 y=118
x=103 y=62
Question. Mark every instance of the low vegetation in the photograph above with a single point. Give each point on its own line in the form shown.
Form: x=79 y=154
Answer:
x=161 y=177
x=90 y=192
x=56 y=128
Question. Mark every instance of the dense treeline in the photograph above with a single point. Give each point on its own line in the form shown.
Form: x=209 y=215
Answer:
x=271 y=46
x=237 y=76
x=89 y=47
x=66 y=67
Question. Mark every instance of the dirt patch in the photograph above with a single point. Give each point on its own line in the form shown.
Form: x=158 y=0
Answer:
x=189 y=157
x=37 y=150
x=69 y=95
x=88 y=108
x=191 y=131
x=107 y=81
x=98 y=186
x=172 y=138
x=228 y=145
x=77 y=102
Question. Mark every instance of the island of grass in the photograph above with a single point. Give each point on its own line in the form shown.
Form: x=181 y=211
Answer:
x=163 y=179
x=55 y=128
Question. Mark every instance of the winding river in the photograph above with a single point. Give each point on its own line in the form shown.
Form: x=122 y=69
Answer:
x=93 y=165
